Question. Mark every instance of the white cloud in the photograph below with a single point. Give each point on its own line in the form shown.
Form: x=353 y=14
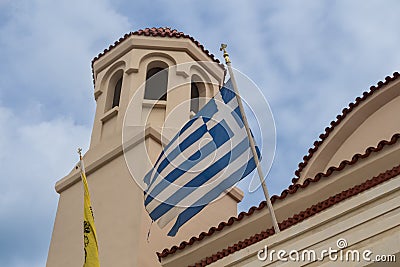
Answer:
x=34 y=157
x=48 y=47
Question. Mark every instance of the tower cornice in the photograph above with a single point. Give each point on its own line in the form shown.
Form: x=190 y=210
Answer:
x=168 y=39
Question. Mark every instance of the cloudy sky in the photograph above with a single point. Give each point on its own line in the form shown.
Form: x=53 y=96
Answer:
x=311 y=58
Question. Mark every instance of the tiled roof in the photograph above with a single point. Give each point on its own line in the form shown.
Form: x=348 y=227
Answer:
x=338 y=120
x=291 y=190
x=156 y=32
x=297 y=218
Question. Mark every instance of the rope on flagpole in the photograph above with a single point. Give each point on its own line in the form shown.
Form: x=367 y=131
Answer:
x=148 y=233
x=251 y=140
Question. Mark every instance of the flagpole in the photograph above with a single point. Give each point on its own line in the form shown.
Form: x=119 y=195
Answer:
x=251 y=140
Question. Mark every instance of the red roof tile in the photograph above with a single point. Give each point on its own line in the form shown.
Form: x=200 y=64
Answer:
x=156 y=32
x=338 y=120
x=291 y=190
x=305 y=214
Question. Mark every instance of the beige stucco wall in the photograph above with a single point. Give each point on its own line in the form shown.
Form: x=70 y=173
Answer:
x=121 y=221
x=372 y=121
x=381 y=125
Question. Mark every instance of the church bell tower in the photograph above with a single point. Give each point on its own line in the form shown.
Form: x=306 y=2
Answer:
x=147 y=85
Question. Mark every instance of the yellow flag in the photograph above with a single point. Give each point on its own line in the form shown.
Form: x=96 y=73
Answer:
x=89 y=230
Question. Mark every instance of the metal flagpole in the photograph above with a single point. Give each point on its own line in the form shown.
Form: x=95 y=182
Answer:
x=252 y=145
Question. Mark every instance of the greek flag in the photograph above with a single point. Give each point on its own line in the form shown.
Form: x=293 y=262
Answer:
x=209 y=155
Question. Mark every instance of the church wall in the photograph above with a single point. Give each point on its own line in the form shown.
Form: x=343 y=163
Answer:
x=371 y=121
x=292 y=204
x=381 y=125
x=370 y=220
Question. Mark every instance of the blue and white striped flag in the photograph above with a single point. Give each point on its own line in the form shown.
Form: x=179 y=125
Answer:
x=209 y=155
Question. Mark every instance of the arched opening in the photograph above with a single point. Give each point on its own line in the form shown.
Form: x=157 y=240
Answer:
x=114 y=90
x=156 y=81
x=197 y=94
x=117 y=93
x=194 y=98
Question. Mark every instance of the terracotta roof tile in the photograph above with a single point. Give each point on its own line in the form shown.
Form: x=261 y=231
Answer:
x=338 y=120
x=291 y=190
x=155 y=32
x=305 y=214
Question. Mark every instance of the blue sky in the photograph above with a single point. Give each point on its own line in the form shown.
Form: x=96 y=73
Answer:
x=310 y=58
